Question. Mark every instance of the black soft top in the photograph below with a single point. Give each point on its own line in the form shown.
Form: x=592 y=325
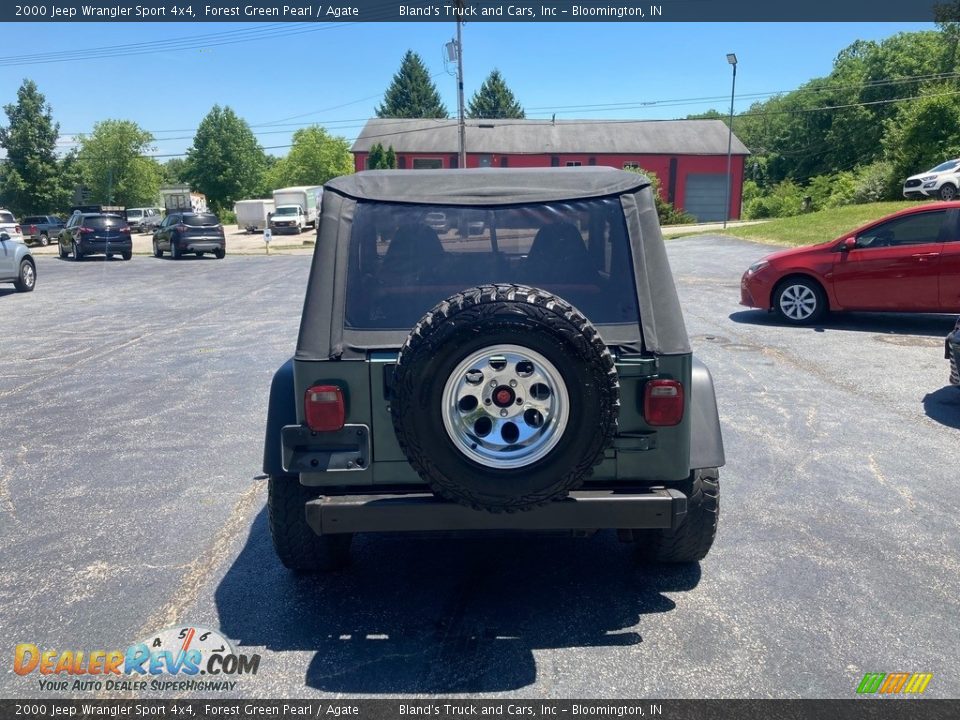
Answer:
x=322 y=332
x=487 y=186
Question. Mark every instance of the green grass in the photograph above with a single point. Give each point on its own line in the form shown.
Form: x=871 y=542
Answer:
x=816 y=227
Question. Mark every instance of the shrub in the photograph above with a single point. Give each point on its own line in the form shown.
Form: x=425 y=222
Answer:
x=666 y=212
x=874 y=182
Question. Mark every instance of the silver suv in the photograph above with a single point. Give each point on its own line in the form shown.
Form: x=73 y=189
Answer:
x=16 y=262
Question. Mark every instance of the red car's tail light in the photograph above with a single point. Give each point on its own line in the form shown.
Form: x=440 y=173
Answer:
x=323 y=408
x=663 y=402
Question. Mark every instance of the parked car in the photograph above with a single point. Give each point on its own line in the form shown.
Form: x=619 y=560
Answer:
x=40 y=228
x=939 y=182
x=905 y=262
x=144 y=220
x=16 y=263
x=95 y=234
x=542 y=384
x=952 y=351
x=9 y=225
x=190 y=232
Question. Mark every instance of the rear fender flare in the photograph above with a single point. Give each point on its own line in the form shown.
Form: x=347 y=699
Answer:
x=706 y=441
x=281 y=410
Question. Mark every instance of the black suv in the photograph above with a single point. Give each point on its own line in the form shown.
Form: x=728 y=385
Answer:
x=95 y=234
x=190 y=232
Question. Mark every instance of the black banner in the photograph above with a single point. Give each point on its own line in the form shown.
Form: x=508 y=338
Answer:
x=518 y=709
x=480 y=11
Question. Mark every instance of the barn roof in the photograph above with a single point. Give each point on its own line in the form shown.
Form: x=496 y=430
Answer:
x=647 y=137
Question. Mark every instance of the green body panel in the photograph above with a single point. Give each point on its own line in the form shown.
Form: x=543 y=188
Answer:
x=640 y=452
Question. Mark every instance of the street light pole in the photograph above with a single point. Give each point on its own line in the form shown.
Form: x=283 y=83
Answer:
x=732 y=59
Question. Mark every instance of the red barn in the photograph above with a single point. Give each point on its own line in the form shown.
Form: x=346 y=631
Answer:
x=689 y=156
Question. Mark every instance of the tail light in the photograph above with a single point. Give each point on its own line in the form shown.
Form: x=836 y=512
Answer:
x=125 y=230
x=33 y=229
x=181 y=227
x=663 y=402
x=323 y=408
x=87 y=230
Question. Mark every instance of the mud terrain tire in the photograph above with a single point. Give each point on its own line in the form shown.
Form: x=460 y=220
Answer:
x=516 y=316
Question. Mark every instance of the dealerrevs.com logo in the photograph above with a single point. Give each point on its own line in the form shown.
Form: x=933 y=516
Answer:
x=195 y=658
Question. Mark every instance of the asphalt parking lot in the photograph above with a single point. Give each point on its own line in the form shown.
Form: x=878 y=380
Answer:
x=134 y=398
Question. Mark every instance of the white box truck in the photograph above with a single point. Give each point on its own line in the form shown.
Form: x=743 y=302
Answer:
x=180 y=198
x=253 y=214
x=304 y=197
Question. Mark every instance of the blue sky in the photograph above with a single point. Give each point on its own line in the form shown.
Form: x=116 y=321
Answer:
x=285 y=75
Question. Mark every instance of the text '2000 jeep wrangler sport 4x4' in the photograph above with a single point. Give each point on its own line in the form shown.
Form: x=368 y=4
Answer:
x=534 y=374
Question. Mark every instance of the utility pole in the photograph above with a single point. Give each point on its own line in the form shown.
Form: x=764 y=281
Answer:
x=463 y=127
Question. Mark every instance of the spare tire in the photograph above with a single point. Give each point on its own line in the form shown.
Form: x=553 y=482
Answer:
x=504 y=398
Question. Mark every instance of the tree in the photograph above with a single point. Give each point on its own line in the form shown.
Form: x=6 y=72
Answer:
x=923 y=134
x=31 y=181
x=412 y=93
x=494 y=100
x=380 y=159
x=315 y=157
x=390 y=159
x=225 y=162
x=112 y=166
x=375 y=158
x=173 y=171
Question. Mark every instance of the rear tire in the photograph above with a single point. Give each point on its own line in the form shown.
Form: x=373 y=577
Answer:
x=174 y=251
x=44 y=239
x=77 y=256
x=297 y=545
x=947 y=192
x=157 y=252
x=62 y=251
x=692 y=540
x=219 y=254
x=26 y=277
x=127 y=255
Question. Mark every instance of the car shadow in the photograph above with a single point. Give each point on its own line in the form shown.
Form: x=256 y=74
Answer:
x=443 y=614
x=4 y=291
x=921 y=324
x=943 y=405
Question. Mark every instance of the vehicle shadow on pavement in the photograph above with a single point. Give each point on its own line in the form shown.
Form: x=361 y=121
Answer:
x=929 y=325
x=943 y=406
x=444 y=614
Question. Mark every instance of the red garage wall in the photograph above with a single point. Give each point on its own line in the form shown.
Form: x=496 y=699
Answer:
x=659 y=164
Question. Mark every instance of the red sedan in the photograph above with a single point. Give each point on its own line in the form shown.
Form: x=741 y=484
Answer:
x=905 y=262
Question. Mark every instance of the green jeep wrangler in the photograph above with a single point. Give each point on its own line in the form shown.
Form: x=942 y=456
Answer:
x=524 y=366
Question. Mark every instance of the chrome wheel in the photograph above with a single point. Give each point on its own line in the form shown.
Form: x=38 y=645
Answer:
x=28 y=276
x=798 y=302
x=505 y=406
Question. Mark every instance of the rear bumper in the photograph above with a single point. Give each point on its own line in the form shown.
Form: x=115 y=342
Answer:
x=202 y=245
x=581 y=510
x=100 y=247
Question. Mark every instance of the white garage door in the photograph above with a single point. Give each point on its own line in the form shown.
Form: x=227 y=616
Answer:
x=705 y=196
